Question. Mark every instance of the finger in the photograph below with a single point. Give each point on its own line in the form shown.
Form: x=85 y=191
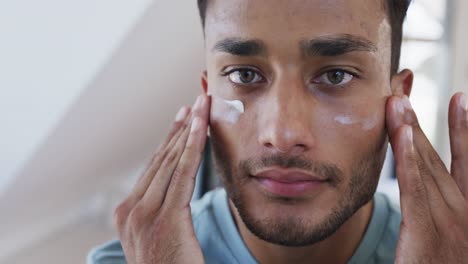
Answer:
x=431 y=167
x=183 y=181
x=458 y=131
x=179 y=121
x=124 y=208
x=402 y=113
x=413 y=196
x=156 y=192
x=433 y=199
x=144 y=181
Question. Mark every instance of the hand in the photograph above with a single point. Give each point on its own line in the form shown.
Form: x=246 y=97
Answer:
x=154 y=222
x=434 y=202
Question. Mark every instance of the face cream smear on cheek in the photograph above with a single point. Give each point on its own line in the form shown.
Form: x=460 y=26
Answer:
x=344 y=120
x=366 y=123
x=370 y=122
x=228 y=111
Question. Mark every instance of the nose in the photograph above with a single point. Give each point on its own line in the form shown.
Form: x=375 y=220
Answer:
x=286 y=121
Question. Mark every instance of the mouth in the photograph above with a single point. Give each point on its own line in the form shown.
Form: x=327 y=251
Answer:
x=288 y=183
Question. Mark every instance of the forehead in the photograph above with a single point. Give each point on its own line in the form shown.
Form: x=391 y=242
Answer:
x=283 y=21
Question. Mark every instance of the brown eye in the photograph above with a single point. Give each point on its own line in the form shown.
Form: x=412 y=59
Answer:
x=335 y=78
x=244 y=76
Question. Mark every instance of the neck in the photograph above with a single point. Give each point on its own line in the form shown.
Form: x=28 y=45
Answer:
x=348 y=237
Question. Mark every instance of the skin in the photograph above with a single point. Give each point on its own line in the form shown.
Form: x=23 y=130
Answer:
x=433 y=201
x=292 y=88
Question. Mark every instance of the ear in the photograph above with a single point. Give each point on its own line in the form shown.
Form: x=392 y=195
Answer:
x=402 y=83
x=204 y=81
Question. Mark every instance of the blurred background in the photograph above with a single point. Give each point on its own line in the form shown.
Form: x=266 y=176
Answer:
x=88 y=88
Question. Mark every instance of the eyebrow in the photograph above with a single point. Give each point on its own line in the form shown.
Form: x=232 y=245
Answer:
x=336 y=45
x=241 y=47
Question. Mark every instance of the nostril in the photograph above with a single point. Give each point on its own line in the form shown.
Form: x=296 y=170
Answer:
x=303 y=146
x=293 y=148
x=276 y=147
x=300 y=148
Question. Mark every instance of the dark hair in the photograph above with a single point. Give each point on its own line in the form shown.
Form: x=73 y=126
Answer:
x=396 y=10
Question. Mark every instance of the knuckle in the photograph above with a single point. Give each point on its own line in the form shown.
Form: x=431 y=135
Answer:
x=157 y=156
x=179 y=171
x=137 y=216
x=418 y=189
x=191 y=147
x=412 y=167
x=435 y=162
x=178 y=125
x=160 y=225
x=166 y=148
x=150 y=167
x=120 y=214
x=172 y=156
x=422 y=167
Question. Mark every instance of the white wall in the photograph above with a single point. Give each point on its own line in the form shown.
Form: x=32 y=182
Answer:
x=50 y=50
x=457 y=79
x=91 y=89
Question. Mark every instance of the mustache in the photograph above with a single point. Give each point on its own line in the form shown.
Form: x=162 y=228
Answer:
x=328 y=170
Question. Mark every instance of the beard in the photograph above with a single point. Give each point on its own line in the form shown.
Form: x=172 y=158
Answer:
x=296 y=231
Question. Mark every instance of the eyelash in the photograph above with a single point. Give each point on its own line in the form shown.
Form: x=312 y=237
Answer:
x=322 y=74
x=233 y=70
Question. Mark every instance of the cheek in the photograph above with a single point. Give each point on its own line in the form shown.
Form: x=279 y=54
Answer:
x=230 y=123
x=226 y=111
x=346 y=135
x=363 y=123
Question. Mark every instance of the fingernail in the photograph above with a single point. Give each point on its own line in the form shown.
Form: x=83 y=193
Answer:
x=408 y=110
x=463 y=102
x=181 y=114
x=196 y=125
x=406 y=103
x=464 y=112
x=399 y=106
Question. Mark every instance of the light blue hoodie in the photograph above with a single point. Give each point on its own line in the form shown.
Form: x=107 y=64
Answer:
x=221 y=242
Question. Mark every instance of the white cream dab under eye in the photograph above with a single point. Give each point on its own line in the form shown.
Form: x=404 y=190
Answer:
x=236 y=104
x=366 y=123
x=344 y=120
x=226 y=110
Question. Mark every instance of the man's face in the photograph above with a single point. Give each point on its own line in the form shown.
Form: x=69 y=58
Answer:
x=313 y=77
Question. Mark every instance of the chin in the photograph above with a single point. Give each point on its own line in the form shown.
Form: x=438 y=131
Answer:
x=289 y=222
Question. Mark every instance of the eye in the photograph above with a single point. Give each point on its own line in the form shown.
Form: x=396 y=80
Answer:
x=335 y=77
x=244 y=76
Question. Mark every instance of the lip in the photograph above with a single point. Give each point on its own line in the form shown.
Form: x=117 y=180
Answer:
x=288 y=183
